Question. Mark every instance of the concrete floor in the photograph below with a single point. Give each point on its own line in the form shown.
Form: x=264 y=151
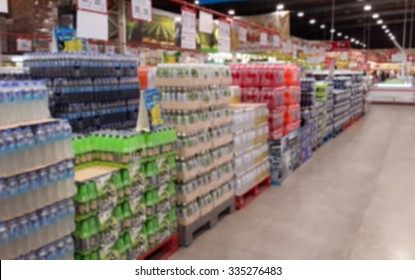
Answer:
x=355 y=199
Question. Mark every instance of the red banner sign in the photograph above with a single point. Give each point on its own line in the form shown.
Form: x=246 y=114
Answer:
x=337 y=46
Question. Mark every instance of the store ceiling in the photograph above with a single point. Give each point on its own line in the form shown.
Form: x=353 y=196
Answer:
x=350 y=17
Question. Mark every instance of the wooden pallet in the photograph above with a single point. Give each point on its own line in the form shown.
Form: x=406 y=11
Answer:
x=190 y=232
x=243 y=200
x=163 y=251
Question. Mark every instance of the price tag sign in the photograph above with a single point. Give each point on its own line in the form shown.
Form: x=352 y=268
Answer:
x=276 y=41
x=98 y=6
x=224 y=36
x=24 y=45
x=243 y=34
x=109 y=48
x=205 y=22
x=93 y=48
x=188 y=28
x=141 y=10
x=263 y=39
x=134 y=51
x=4 y=6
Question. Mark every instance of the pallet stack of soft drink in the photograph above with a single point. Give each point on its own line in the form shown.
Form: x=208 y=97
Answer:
x=325 y=90
x=36 y=176
x=358 y=95
x=195 y=100
x=92 y=91
x=125 y=205
x=251 y=163
x=279 y=87
x=308 y=102
x=342 y=102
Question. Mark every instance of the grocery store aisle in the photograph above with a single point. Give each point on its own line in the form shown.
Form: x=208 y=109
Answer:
x=353 y=200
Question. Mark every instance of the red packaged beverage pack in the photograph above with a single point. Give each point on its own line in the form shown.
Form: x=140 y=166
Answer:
x=236 y=74
x=292 y=114
x=276 y=119
x=292 y=75
x=292 y=95
x=291 y=127
x=274 y=97
x=278 y=75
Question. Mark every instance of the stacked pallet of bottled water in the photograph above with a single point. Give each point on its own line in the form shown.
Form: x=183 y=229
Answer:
x=342 y=101
x=36 y=175
x=358 y=94
x=92 y=91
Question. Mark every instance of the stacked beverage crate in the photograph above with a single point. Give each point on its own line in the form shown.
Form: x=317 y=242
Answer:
x=36 y=176
x=92 y=91
x=358 y=95
x=125 y=205
x=342 y=101
x=251 y=162
x=308 y=102
x=195 y=99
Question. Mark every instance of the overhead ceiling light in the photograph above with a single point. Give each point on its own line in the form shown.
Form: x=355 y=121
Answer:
x=300 y=14
x=197 y=2
x=367 y=8
x=375 y=16
x=384 y=26
x=332 y=30
x=357 y=42
x=379 y=21
x=231 y=12
x=280 y=7
x=339 y=34
x=312 y=21
x=352 y=39
x=392 y=38
x=387 y=31
x=346 y=37
x=322 y=26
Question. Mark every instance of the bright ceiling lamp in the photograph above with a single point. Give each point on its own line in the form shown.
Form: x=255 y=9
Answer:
x=300 y=14
x=375 y=16
x=384 y=26
x=387 y=31
x=367 y=8
x=339 y=34
x=357 y=42
x=231 y=12
x=312 y=21
x=332 y=30
x=346 y=37
x=352 y=40
x=379 y=21
x=322 y=26
x=197 y=2
x=280 y=7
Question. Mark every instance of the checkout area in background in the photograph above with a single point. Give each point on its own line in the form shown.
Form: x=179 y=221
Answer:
x=390 y=86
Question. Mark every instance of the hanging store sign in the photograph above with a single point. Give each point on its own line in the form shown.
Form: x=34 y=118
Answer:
x=188 y=37
x=337 y=46
x=97 y=6
x=243 y=34
x=276 y=40
x=224 y=36
x=92 y=25
x=205 y=22
x=4 y=6
x=141 y=10
x=263 y=39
